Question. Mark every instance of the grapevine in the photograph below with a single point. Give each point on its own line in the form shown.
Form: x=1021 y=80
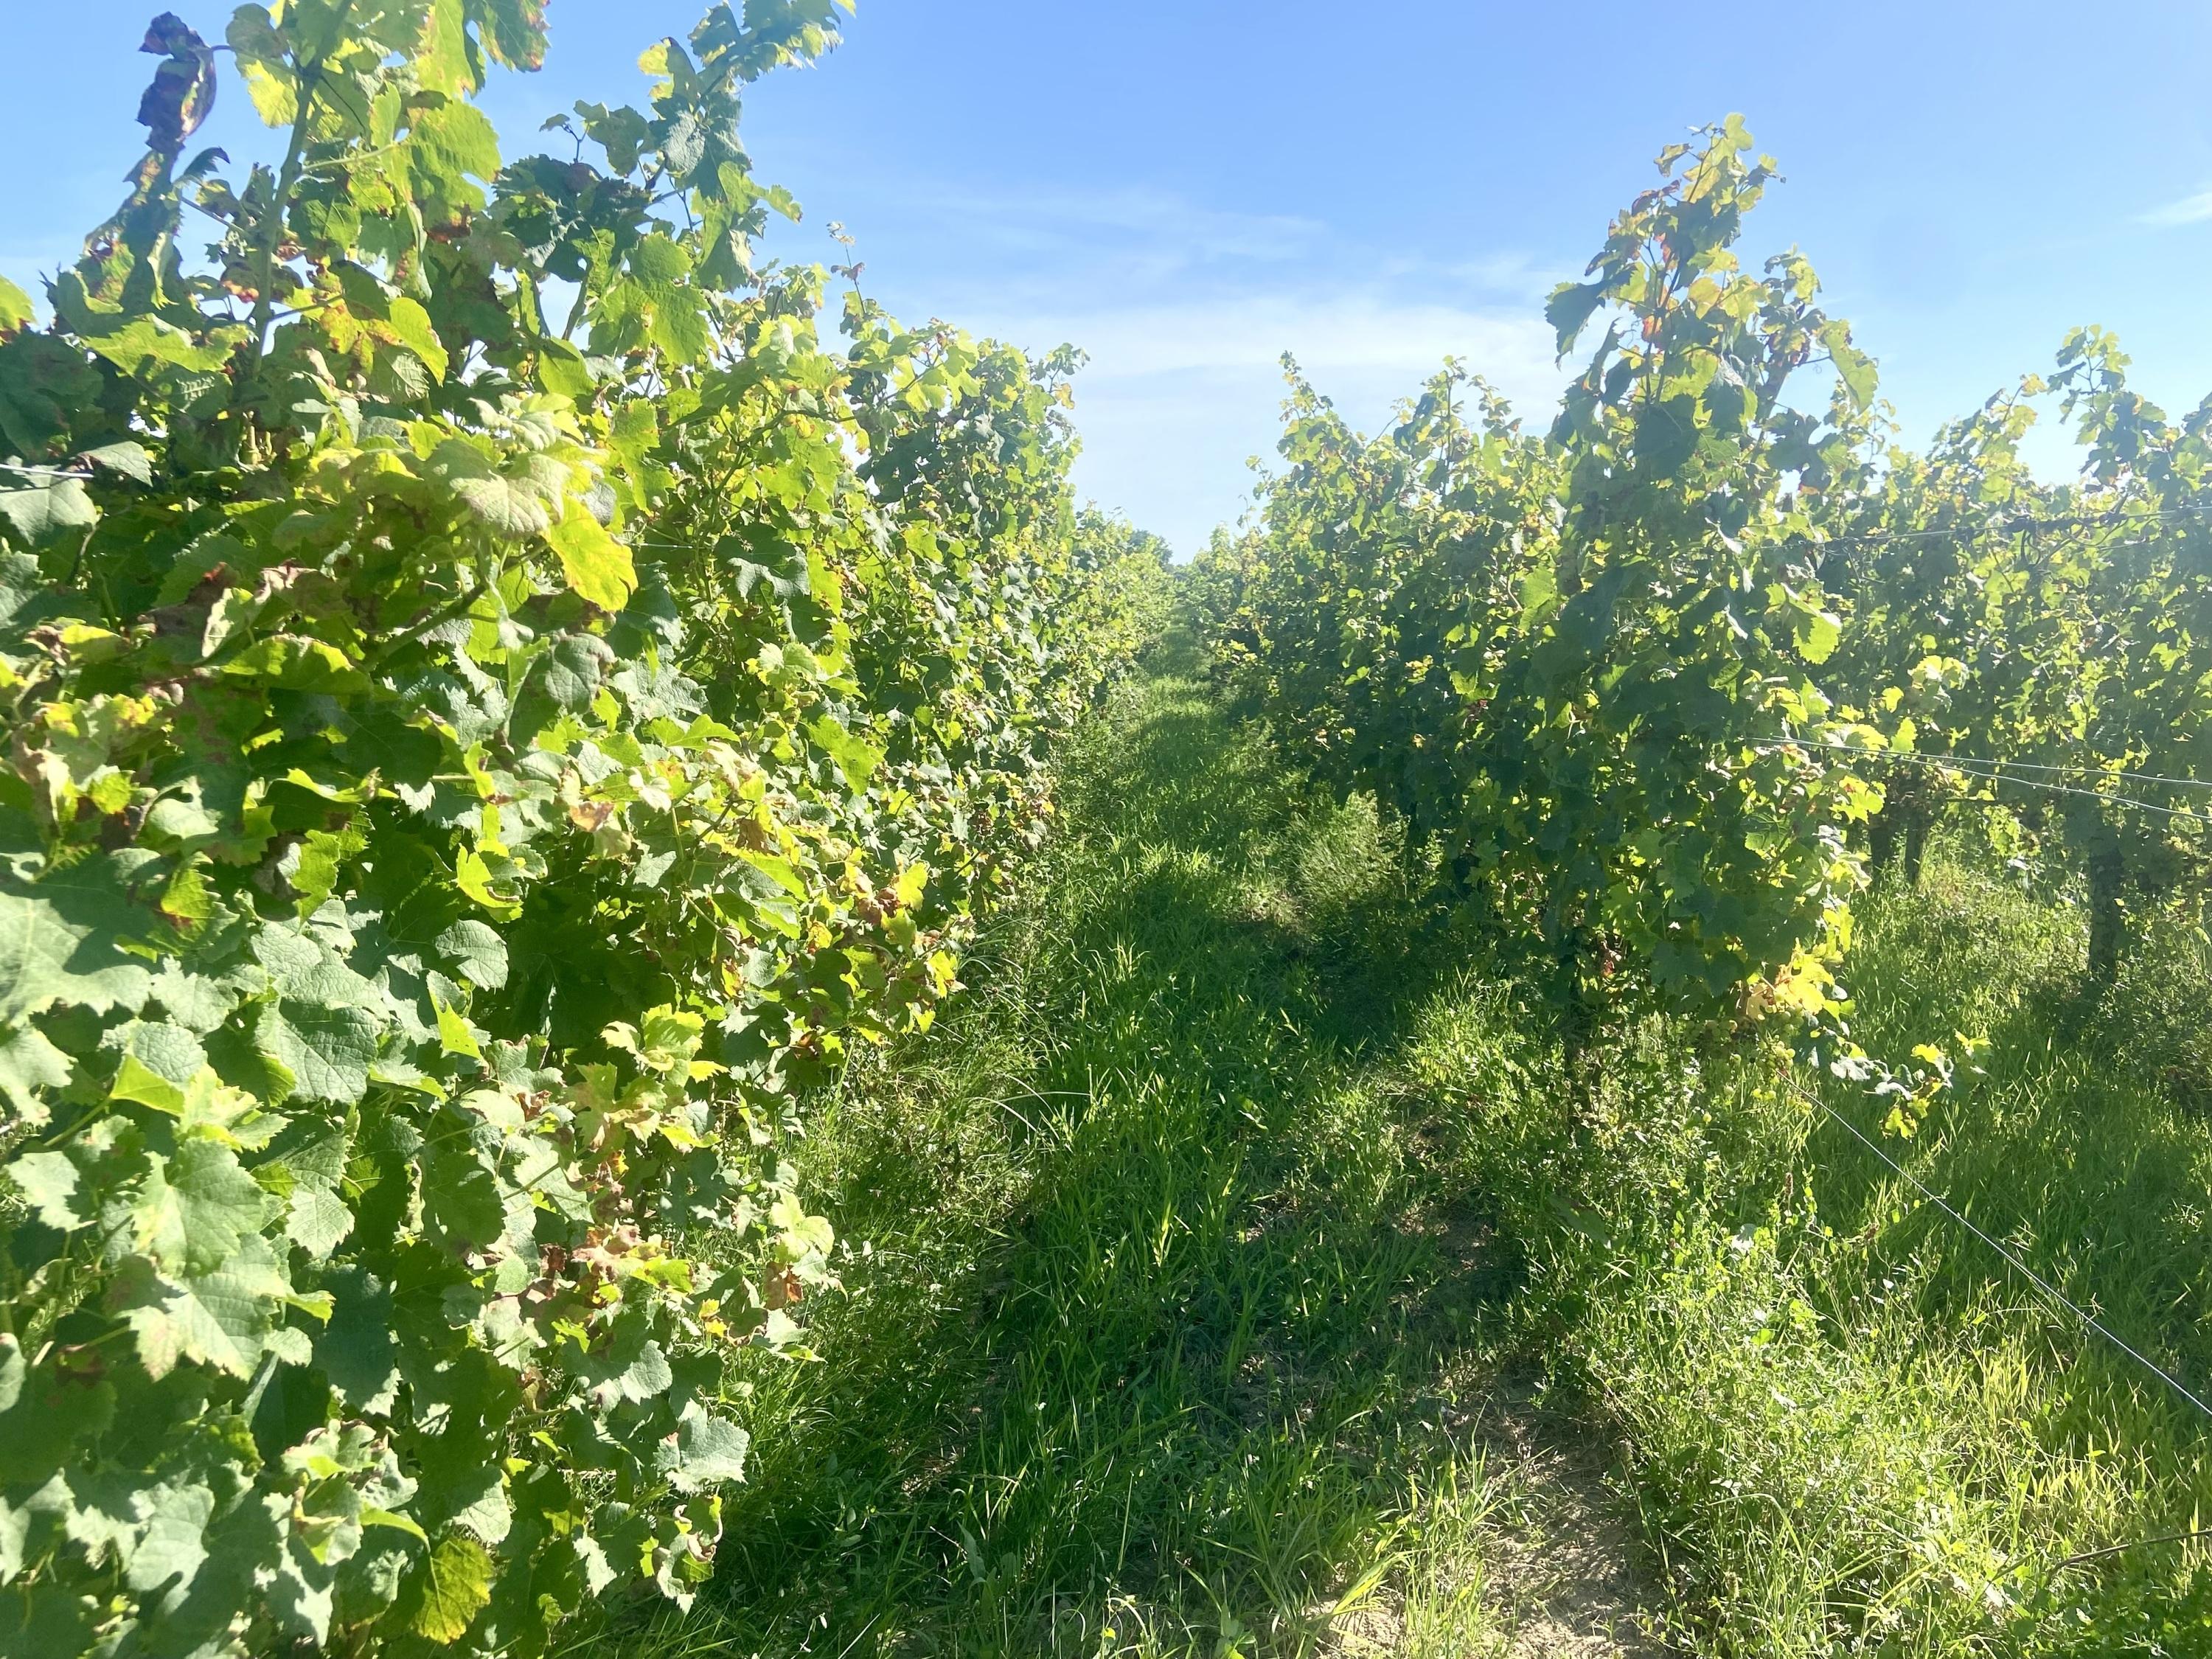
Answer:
x=472 y=771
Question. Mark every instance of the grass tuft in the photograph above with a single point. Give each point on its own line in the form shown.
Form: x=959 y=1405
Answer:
x=1230 y=1274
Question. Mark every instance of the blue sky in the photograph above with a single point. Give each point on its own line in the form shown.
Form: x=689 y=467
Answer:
x=1188 y=188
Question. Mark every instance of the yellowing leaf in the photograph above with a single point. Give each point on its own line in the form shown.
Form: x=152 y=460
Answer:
x=474 y=878
x=597 y=566
x=15 y=310
x=562 y=370
x=295 y=664
x=443 y=1595
x=409 y=325
x=454 y=1035
x=1818 y=634
x=135 y=1081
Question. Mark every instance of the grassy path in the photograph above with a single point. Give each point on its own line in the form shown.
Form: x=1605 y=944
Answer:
x=1199 y=1259
x=1177 y=1330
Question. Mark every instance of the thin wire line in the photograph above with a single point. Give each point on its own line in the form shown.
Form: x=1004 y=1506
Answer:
x=2130 y=801
x=2121 y=1549
x=1995 y=766
x=2025 y=1272
x=2116 y=516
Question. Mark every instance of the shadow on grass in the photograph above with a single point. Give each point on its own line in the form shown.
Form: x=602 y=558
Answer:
x=1158 y=1311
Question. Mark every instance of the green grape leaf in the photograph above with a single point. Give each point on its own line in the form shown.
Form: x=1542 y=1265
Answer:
x=42 y=510
x=48 y=1182
x=199 y=1002
x=216 y=1319
x=44 y=383
x=410 y=325
x=450 y=143
x=456 y=1037
x=478 y=953
x=1666 y=436
x=16 y=312
x=43 y=1415
x=563 y=371
x=172 y=1544
x=327 y=1050
x=324 y=856
x=1569 y=307
x=168 y=1051
x=1853 y=366
x=513 y=31
x=441 y=1597
x=704 y=1451
x=261 y=57
x=634 y=1368
x=60 y=942
x=856 y=758
x=302 y=969
x=513 y=504
x=633 y=432
x=28 y=1063
x=195 y=1206
x=461 y=1196
x=1817 y=635
x=138 y=346
x=129 y=459
x=294 y=663
x=318 y=1221
x=356 y=1350
x=596 y=566
x=474 y=878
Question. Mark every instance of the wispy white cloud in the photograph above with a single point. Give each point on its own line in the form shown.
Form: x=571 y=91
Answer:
x=1179 y=394
x=1121 y=241
x=2189 y=210
x=1511 y=272
x=1249 y=329
x=1185 y=311
x=1076 y=221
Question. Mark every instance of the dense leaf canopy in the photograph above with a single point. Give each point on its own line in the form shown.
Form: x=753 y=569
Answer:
x=471 y=771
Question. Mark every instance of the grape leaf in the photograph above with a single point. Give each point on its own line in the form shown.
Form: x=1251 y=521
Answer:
x=856 y=758
x=318 y=1221
x=355 y=1348
x=172 y=1544
x=135 y=346
x=441 y=1597
x=510 y=504
x=16 y=312
x=703 y=1451
x=59 y=942
x=572 y=667
x=28 y=1063
x=476 y=950
x=42 y=510
x=1569 y=307
x=634 y=1367
x=302 y=969
x=328 y=1050
x=48 y=1182
x=195 y=1208
x=596 y=565
x=217 y=1319
x=410 y=325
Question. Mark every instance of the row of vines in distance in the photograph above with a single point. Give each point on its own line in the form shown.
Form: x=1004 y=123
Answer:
x=499 y=707
x=1664 y=682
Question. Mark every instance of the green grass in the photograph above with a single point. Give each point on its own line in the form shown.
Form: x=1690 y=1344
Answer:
x=1848 y=1426
x=1218 y=1261
x=1163 y=1337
